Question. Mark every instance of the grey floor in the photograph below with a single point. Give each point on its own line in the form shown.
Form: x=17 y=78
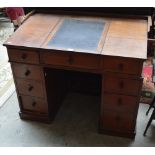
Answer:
x=75 y=125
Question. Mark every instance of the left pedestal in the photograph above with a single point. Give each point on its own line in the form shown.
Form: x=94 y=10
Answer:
x=30 y=84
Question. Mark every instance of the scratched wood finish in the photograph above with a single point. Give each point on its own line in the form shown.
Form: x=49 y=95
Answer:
x=128 y=28
x=34 y=31
x=122 y=37
x=126 y=38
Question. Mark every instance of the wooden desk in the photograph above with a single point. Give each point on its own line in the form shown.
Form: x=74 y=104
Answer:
x=42 y=67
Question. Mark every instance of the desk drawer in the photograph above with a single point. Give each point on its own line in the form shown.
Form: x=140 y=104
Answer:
x=27 y=71
x=123 y=65
x=122 y=85
x=78 y=60
x=33 y=104
x=119 y=103
x=23 y=56
x=30 y=87
x=118 y=121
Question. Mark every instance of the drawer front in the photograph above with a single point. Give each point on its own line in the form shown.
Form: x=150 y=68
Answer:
x=118 y=121
x=121 y=65
x=27 y=71
x=120 y=103
x=121 y=85
x=71 y=59
x=23 y=56
x=30 y=87
x=33 y=104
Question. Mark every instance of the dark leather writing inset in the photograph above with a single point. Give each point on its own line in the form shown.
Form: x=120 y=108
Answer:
x=78 y=34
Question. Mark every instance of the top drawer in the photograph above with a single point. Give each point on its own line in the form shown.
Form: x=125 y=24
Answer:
x=23 y=56
x=86 y=61
x=123 y=65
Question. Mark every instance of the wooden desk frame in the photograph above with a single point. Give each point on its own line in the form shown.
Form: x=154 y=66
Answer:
x=120 y=71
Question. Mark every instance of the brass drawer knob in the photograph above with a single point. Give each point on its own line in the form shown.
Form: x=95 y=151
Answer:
x=24 y=56
x=30 y=88
x=27 y=72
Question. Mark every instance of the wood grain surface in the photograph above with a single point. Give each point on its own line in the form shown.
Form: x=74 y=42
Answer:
x=44 y=75
x=34 y=31
x=121 y=37
x=126 y=38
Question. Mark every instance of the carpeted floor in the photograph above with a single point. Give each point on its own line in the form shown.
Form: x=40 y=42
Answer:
x=74 y=125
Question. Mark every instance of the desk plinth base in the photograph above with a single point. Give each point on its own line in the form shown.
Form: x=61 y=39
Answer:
x=37 y=117
x=46 y=119
x=118 y=134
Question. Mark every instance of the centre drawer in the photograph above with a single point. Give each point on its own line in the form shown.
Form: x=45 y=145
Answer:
x=30 y=87
x=34 y=104
x=27 y=71
x=86 y=61
x=126 y=86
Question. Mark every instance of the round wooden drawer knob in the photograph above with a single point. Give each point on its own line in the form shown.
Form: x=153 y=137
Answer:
x=30 y=88
x=121 y=67
x=34 y=104
x=24 y=56
x=27 y=72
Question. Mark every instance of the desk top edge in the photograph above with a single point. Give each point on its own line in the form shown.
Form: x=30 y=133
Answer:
x=9 y=43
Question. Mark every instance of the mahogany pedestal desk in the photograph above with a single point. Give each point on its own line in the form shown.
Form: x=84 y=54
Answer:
x=49 y=50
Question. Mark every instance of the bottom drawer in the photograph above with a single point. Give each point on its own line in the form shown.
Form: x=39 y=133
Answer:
x=33 y=104
x=118 y=121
